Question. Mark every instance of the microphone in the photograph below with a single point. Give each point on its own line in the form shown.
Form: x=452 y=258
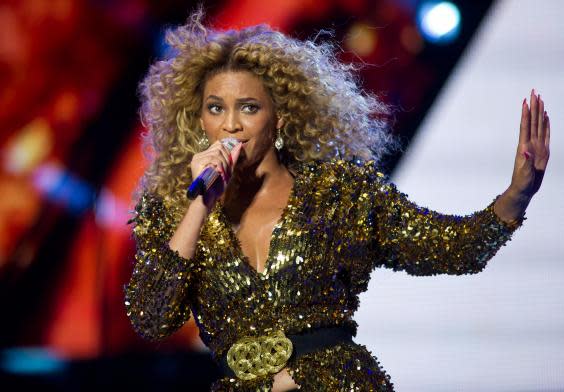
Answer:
x=209 y=175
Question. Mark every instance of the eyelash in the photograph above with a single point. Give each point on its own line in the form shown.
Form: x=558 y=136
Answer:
x=254 y=108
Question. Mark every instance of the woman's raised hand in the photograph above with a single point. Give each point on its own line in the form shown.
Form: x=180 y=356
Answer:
x=222 y=160
x=533 y=149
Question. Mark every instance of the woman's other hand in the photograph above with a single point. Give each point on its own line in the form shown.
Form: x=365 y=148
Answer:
x=283 y=382
x=533 y=149
x=530 y=161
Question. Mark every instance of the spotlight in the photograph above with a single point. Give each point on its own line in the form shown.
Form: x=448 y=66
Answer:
x=439 y=22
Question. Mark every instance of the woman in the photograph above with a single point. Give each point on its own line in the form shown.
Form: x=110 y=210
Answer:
x=272 y=259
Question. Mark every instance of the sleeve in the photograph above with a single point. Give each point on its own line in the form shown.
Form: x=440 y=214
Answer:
x=162 y=283
x=420 y=241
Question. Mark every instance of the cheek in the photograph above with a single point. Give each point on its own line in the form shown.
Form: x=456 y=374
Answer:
x=211 y=125
x=260 y=127
x=208 y=121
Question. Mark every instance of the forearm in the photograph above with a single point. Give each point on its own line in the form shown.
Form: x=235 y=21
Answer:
x=510 y=206
x=187 y=233
x=157 y=295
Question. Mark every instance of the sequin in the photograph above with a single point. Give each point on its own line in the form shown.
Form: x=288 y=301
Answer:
x=343 y=219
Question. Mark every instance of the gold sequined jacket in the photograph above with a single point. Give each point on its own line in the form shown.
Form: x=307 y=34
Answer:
x=343 y=219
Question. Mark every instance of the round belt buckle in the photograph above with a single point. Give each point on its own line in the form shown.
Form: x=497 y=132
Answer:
x=251 y=357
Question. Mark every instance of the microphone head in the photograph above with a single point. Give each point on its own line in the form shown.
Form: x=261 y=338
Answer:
x=229 y=142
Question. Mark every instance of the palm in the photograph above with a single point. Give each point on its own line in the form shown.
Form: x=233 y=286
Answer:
x=533 y=149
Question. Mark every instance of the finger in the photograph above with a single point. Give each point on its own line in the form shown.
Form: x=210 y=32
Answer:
x=534 y=114
x=225 y=153
x=220 y=152
x=235 y=154
x=220 y=162
x=525 y=130
x=547 y=137
x=215 y=155
x=228 y=155
x=540 y=131
x=220 y=171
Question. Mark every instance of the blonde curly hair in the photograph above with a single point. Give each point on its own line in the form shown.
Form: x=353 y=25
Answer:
x=326 y=114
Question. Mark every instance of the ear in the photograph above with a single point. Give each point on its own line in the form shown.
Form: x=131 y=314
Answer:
x=280 y=123
x=201 y=123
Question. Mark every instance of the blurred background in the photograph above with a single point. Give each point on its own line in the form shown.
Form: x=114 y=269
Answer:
x=70 y=156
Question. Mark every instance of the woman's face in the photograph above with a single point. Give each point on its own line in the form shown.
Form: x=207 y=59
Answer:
x=237 y=104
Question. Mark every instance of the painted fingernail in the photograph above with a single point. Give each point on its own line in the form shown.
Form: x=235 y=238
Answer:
x=527 y=155
x=524 y=101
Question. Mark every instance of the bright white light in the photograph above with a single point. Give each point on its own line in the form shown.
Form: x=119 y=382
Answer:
x=439 y=22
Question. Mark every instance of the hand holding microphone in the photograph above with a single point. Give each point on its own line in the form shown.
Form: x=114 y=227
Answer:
x=212 y=169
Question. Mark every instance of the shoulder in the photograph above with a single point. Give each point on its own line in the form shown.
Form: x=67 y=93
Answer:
x=341 y=179
x=148 y=204
x=349 y=170
x=152 y=210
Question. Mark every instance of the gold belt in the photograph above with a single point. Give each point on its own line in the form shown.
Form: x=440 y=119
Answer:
x=251 y=357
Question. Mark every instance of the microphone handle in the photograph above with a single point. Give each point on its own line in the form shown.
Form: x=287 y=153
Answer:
x=202 y=183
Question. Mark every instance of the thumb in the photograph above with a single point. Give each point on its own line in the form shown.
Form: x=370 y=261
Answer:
x=235 y=154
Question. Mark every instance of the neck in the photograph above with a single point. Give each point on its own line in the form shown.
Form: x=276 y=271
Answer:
x=260 y=178
x=268 y=171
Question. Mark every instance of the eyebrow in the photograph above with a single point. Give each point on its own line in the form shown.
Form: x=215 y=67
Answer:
x=245 y=99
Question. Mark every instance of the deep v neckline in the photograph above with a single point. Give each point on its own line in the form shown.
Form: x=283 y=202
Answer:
x=291 y=202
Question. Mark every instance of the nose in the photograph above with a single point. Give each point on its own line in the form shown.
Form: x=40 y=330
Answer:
x=231 y=123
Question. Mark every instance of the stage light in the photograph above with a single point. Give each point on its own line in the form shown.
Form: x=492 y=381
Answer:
x=362 y=39
x=110 y=211
x=439 y=22
x=28 y=147
x=60 y=185
x=30 y=361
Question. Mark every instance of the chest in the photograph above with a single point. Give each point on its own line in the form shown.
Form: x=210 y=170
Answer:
x=254 y=224
x=254 y=233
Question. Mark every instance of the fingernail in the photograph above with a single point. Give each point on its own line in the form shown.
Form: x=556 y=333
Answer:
x=524 y=101
x=527 y=155
x=533 y=91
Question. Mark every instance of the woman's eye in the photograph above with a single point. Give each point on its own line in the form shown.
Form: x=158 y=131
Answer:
x=214 y=109
x=250 y=108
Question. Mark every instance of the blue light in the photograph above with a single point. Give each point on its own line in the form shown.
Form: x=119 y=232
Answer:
x=30 y=361
x=439 y=21
x=59 y=185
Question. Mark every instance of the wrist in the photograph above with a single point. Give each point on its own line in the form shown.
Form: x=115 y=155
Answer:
x=510 y=207
x=517 y=196
x=199 y=208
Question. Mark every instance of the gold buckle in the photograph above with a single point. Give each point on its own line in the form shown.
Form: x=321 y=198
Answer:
x=251 y=357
